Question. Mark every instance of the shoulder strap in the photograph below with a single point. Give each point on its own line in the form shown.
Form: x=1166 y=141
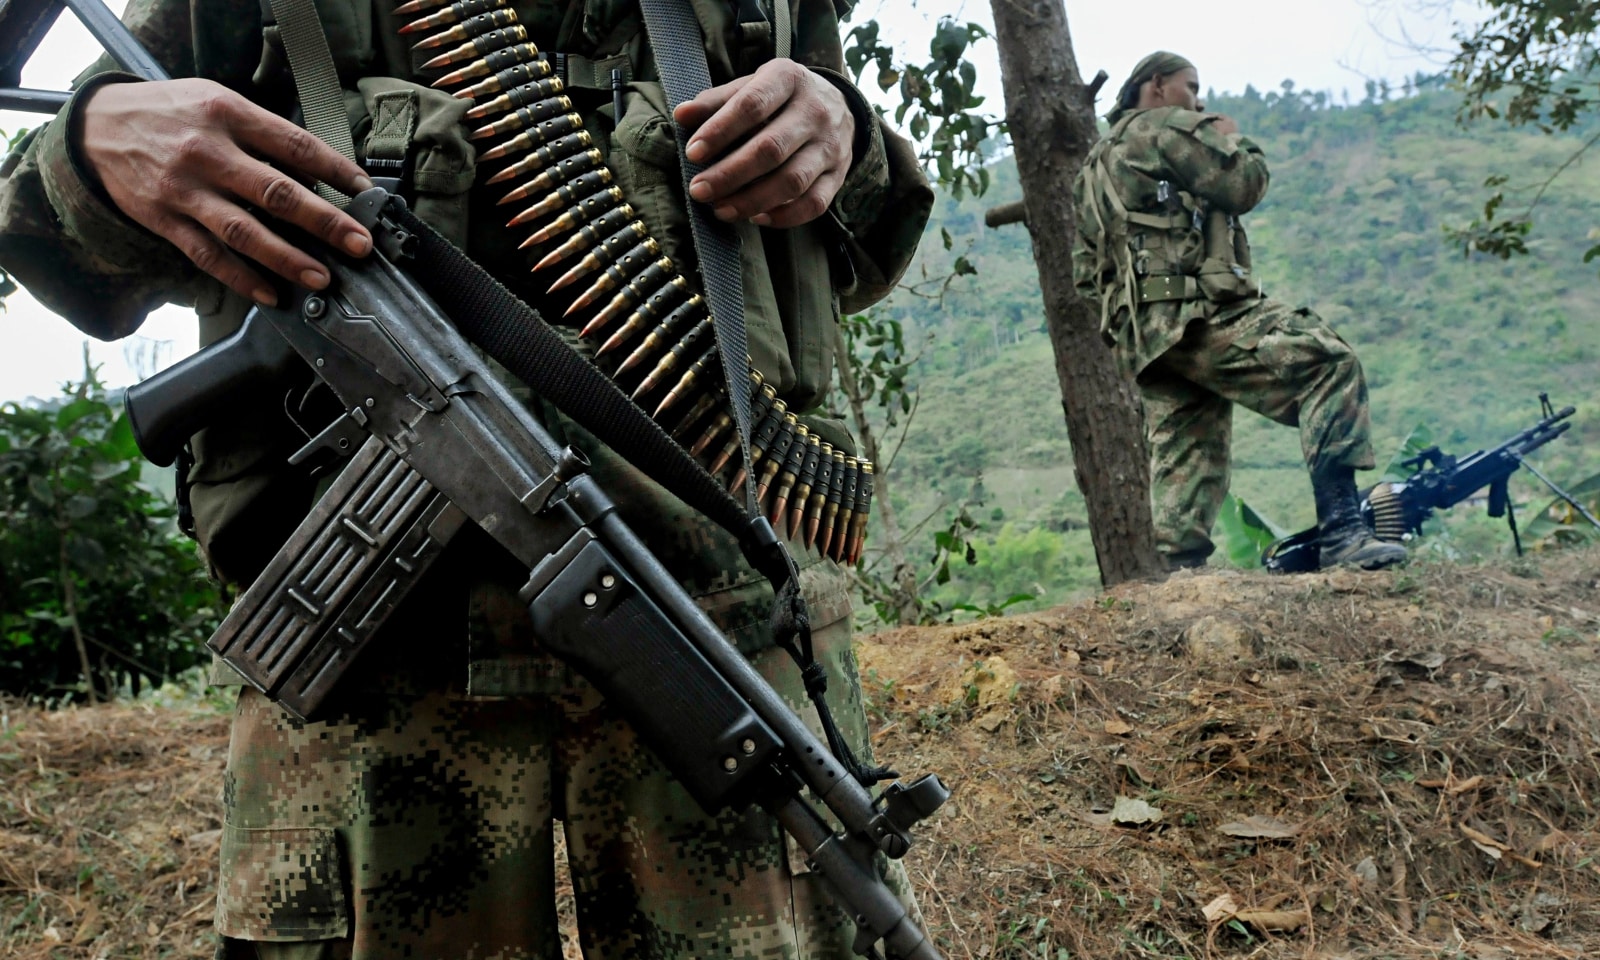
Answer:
x=316 y=81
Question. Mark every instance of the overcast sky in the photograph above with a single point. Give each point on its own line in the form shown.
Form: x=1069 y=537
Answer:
x=1332 y=45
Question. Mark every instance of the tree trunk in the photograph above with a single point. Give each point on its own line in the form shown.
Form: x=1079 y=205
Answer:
x=1051 y=118
x=903 y=596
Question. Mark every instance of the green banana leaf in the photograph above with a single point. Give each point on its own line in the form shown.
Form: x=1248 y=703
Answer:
x=1242 y=533
x=1419 y=439
x=1560 y=525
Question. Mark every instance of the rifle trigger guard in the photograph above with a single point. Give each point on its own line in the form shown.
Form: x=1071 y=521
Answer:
x=340 y=439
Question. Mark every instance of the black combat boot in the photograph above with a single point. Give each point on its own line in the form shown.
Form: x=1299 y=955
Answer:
x=1343 y=538
x=1188 y=559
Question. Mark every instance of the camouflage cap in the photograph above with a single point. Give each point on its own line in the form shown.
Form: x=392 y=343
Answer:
x=1158 y=64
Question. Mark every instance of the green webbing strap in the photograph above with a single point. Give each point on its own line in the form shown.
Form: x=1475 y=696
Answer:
x=394 y=123
x=782 y=35
x=1170 y=221
x=316 y=80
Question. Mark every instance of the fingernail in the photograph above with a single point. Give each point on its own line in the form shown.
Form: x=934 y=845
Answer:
x=357 y=243
x=700 y=190
x=726 y=212
x=265 y=297
x=761 y=220
x=696 y=150
x=313 y=279
x=362 y=184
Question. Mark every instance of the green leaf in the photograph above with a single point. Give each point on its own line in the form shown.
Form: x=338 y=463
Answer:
x=1244 y=533
x=120 y=440
x=39 y=489
x=80 y=506
x=77 y=410
x=1559 y=524
x=1419 y=439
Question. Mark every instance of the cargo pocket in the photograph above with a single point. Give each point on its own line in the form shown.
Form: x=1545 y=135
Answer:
x=421 y=131
x=282 y=884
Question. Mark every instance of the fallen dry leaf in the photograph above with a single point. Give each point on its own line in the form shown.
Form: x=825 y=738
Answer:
x=1262 y=828
x=1274 y=919
x=1118 y=728
x=1128 y=811
x=1220 y=909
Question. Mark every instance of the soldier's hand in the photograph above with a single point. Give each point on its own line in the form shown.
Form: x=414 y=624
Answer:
x=1224 y=124
x=782 y=138
x=186 y=158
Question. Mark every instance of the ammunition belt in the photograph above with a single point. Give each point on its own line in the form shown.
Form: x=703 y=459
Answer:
x=663 y=352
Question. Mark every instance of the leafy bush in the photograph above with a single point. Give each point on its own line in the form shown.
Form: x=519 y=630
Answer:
x=97 y=589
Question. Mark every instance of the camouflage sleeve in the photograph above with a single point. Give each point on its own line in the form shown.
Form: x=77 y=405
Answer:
x=1226 y=169
x=885 y=200
x=1084 y=275
x=61 y=236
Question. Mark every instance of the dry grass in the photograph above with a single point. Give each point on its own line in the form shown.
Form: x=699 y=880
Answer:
x=1419 y=749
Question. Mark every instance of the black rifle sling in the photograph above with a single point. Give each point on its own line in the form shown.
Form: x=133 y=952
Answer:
x=678 y=44
x=680 y=54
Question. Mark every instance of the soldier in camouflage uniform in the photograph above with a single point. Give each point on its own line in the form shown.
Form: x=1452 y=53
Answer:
x=418 y=821
x=1161 y=249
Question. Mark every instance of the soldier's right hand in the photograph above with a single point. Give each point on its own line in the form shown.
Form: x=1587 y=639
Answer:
x=186 y=158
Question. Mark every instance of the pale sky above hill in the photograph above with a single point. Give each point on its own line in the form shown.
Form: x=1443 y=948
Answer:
x=1332 y=45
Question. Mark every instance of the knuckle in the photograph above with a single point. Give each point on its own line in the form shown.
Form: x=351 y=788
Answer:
x=171 y=185
x=192 y=149
x=237 y=232
x=812 y=206
x=793 y=182
x=300 y=148
x=330 y=225
x=279 y=195
x=769 y=149
x=206 y=254
x=216 y=105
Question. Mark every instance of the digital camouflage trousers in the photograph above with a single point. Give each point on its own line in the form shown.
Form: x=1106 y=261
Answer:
x=420 y=825
x=1282 y=362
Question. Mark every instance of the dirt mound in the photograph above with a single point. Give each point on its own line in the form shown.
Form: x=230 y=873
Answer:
x=1395 y=764
x=1339 y=764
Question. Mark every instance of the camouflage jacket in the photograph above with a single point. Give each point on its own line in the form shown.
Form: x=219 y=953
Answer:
x=61 y=237
x=1207 y=171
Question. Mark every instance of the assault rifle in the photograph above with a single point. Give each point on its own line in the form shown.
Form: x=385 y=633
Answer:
x=434 y=442
x=1396 y=510
x=431 y=441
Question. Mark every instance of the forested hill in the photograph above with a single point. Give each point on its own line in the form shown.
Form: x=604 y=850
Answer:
x=1352 y=226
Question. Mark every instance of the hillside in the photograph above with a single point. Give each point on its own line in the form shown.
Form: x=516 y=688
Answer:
x=1228 y=765
x=1353 y=225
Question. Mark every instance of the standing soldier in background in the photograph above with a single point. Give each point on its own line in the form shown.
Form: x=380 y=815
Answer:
x=1160 y=247
x=415 y=821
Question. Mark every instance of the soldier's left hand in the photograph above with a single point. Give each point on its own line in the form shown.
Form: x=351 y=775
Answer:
x=782 y=138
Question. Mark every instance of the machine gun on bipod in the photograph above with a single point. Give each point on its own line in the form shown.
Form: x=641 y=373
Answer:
x=1397 y=509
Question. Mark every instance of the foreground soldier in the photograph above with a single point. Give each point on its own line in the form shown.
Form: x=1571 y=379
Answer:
x=1162 y=251
x=418 y=823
